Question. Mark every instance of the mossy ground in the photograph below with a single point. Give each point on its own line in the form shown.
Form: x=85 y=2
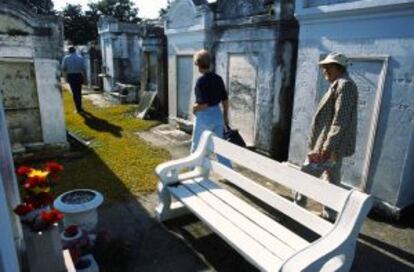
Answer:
x=119 y=164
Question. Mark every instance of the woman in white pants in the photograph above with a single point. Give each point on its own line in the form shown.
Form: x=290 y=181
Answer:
x=210 y=92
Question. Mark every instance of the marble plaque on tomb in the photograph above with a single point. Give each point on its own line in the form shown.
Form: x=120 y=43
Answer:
x=185 y=93
x=367 y=74
x=18 y=84
x=316 y=3
x=231 y=9
x=242 y=76
x=21 y=103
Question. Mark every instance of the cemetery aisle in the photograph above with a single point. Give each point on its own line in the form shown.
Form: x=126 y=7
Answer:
x=118 y=163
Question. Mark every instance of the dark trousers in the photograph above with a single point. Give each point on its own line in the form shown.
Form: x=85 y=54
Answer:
x=75 y=81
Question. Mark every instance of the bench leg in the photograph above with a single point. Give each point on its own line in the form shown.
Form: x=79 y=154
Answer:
x=166 y=208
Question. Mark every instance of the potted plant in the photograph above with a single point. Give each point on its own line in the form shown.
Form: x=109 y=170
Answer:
x=40 y=228
x=35 y=211
x=80 y=208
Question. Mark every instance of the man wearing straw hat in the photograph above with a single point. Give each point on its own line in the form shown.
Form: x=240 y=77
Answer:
x=334 y=127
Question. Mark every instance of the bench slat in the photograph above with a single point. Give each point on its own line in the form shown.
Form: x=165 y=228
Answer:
x=325 y=193
x=236 y=216
x=243 y=243
x=301 y=215
x=265 y=222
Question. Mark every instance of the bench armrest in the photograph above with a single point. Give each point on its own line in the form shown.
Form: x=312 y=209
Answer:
x=169 y=172
x=334 y=251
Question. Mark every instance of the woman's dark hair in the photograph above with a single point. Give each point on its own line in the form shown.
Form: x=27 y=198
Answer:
x=72 y=49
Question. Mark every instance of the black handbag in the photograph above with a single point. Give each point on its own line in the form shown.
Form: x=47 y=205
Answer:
x=233 y=136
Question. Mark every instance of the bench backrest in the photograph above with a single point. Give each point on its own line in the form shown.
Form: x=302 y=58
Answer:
x=312 y=187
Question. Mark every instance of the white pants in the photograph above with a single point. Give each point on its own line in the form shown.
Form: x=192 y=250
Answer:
x=211 y=119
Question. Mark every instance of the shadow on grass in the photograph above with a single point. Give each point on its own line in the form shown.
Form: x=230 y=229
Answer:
x=100 y=125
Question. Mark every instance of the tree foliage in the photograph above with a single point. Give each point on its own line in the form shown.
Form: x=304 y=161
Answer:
x=78 y=28
x=81 y=27
x=163 y=11
x=123 y=10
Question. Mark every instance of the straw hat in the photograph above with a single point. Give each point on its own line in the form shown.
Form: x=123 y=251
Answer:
x=337 y=58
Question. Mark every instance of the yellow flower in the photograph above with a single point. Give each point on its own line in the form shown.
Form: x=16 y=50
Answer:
x=38 y=173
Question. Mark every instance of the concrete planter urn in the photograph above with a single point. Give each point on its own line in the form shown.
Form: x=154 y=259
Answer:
x=80 y=208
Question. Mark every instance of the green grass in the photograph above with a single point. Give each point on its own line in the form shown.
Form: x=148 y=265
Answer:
x=119 y=164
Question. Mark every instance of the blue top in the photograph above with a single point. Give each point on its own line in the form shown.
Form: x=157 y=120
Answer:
x=73 y=64
x=210 y=89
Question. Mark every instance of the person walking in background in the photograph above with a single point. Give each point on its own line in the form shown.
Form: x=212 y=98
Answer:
x=73 y=66
x=210 y=92
x=334 y=127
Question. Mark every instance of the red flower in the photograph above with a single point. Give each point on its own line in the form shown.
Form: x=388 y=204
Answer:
x=71 y=230
x=54 y=167
x=51 y=216
x=37 y=184
x=23 y=170
x=23 y=209
x=32 y=182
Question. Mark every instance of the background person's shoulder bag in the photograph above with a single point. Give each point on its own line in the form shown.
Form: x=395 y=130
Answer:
x=233 y=136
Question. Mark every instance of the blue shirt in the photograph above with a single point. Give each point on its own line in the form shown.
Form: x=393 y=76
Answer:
x=210 y=89
x=73 y=64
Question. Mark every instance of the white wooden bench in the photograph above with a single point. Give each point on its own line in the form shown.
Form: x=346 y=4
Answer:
x=264 y=242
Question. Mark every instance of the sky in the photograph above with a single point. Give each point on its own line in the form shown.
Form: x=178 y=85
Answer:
x=147 y=8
